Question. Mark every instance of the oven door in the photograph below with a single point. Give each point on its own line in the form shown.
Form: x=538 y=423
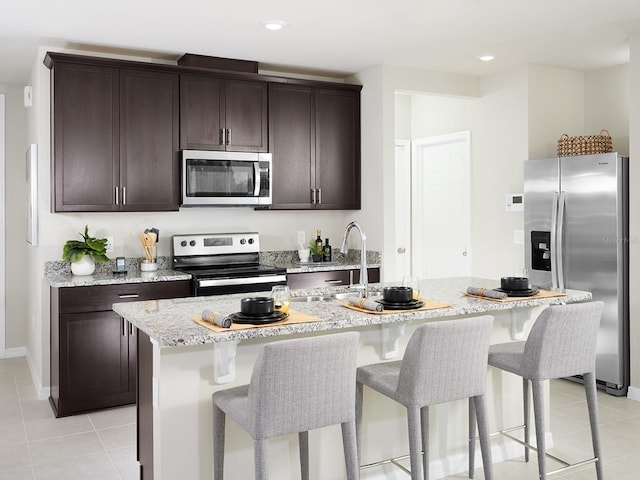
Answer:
x=221 y=286
x=225 y=178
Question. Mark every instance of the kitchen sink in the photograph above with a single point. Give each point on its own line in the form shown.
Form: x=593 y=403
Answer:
x=334 y=296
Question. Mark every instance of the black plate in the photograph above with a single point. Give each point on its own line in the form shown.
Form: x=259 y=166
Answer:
x=401 y=306
x=258 y=320
x=530 y=292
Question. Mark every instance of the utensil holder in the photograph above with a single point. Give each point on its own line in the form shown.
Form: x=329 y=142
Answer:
x=149 y=263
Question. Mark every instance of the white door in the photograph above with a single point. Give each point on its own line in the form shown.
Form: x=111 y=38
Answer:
x=441 y=218
x=402 y=262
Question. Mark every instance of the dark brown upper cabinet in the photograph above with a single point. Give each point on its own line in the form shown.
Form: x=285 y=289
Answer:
x=115 y=137
x=314 y=137
x=223 y=114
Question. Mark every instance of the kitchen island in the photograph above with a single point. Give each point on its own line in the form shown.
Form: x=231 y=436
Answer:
x=181 y=364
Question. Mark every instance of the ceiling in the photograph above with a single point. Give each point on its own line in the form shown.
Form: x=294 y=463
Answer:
x=337 y=37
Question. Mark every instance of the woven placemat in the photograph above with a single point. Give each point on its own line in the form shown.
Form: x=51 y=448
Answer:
x=537 y=296
x=428 y=305
x=294 y=317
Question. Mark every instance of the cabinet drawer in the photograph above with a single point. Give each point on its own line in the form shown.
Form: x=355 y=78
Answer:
x=102 y=297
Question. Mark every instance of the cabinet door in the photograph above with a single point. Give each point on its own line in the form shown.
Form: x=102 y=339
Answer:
x=94 y=362
x=85 y=137
x=337 y=166
x=246 y=116
x=202 y=111
x=292 y=140
x=150 y=174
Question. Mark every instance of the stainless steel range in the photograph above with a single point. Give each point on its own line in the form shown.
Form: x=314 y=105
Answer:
x=223 y=263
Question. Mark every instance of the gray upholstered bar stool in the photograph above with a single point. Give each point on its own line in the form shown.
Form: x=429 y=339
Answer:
x=444 y=361
x=562 y=343
x=296 y=386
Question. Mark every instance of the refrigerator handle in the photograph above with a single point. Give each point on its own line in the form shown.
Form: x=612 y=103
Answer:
x=554 y=242
x=560 y=241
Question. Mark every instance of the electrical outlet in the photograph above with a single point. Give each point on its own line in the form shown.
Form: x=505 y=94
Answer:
x=109 y=244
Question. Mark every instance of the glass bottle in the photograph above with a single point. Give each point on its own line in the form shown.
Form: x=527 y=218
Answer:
x=326 y=251
x=318 y=243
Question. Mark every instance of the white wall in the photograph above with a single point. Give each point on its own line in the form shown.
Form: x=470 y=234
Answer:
x=634 y=207
x=607 y=104
x=15 y=252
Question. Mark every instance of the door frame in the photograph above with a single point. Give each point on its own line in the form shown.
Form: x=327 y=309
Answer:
x=402 y=183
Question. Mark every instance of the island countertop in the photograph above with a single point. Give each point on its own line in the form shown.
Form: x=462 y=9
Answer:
x=171 y=324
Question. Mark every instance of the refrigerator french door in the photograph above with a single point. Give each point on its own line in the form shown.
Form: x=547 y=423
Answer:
x=577 y=237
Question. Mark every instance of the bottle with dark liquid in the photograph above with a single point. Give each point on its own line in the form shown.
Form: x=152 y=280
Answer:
x=326 y=251
x=319 y=245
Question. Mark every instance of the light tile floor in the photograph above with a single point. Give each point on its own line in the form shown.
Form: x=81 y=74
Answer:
x=34 y=445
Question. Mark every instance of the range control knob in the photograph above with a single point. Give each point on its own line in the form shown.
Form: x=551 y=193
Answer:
x=242 y=241
x=192 y=243
x=183 y=243
x=251 y=241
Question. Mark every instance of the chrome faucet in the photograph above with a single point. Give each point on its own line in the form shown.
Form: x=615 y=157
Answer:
x=364 y=279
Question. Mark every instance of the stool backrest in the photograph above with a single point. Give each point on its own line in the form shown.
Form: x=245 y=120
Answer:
x=562 y=341
x=445 y=361
x=302 y=384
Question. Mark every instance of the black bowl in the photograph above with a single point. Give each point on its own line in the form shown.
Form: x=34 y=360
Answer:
x=256 y=306
x=514 y=284
x=397 y=294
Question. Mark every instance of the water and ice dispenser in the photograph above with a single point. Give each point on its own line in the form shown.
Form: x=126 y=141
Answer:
x=541 y=251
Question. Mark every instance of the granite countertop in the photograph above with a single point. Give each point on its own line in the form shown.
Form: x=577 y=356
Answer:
x=170 y=322
x=58 y=273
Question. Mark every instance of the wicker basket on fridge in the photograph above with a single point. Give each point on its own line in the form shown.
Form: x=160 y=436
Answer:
x=584 y=144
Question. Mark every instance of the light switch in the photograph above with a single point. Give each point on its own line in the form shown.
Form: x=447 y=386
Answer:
x=518 y=237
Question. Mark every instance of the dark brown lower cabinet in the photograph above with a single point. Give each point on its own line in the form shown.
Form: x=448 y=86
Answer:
x=94 y=350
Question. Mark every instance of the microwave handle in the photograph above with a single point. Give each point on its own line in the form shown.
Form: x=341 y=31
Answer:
x=256 y=176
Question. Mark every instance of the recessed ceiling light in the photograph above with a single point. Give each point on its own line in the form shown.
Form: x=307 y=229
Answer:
x=486 y=57
x=273 y=24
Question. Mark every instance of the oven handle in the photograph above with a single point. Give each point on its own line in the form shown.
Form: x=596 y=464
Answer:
x=240 y=281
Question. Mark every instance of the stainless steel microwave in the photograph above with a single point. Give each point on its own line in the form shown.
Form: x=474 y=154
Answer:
x=231 y=179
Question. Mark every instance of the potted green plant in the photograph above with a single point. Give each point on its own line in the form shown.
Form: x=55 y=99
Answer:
x=315 y=250
x=84 y=254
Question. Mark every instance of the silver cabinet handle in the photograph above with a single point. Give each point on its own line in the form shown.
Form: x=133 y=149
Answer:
x=124 y=195
x=222 y=140
x=124 y=326
x=117 y=189
x=128 y=295
x=319 y=195
x=228 y=136
x=313 y=196
x=334 y=282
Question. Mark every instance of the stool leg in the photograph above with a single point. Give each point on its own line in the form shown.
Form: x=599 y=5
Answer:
x=359 y=400
x=483 y=433
x=592 y=403
x=424 y=428
x=260 y=447
x=350 y=450
x=538 y=412
x=303 y=445
x=413 y=419
x=218 y=442
x=526 y=415
x=472 y=437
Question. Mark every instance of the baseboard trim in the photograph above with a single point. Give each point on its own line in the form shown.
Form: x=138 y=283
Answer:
x=42 y=392
x=14 y=352
x=633 y=393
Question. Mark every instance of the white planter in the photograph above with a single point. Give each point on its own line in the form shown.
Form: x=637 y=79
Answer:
x=86 y=266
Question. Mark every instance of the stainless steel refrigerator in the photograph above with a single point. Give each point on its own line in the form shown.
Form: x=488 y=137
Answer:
x=577 y=237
